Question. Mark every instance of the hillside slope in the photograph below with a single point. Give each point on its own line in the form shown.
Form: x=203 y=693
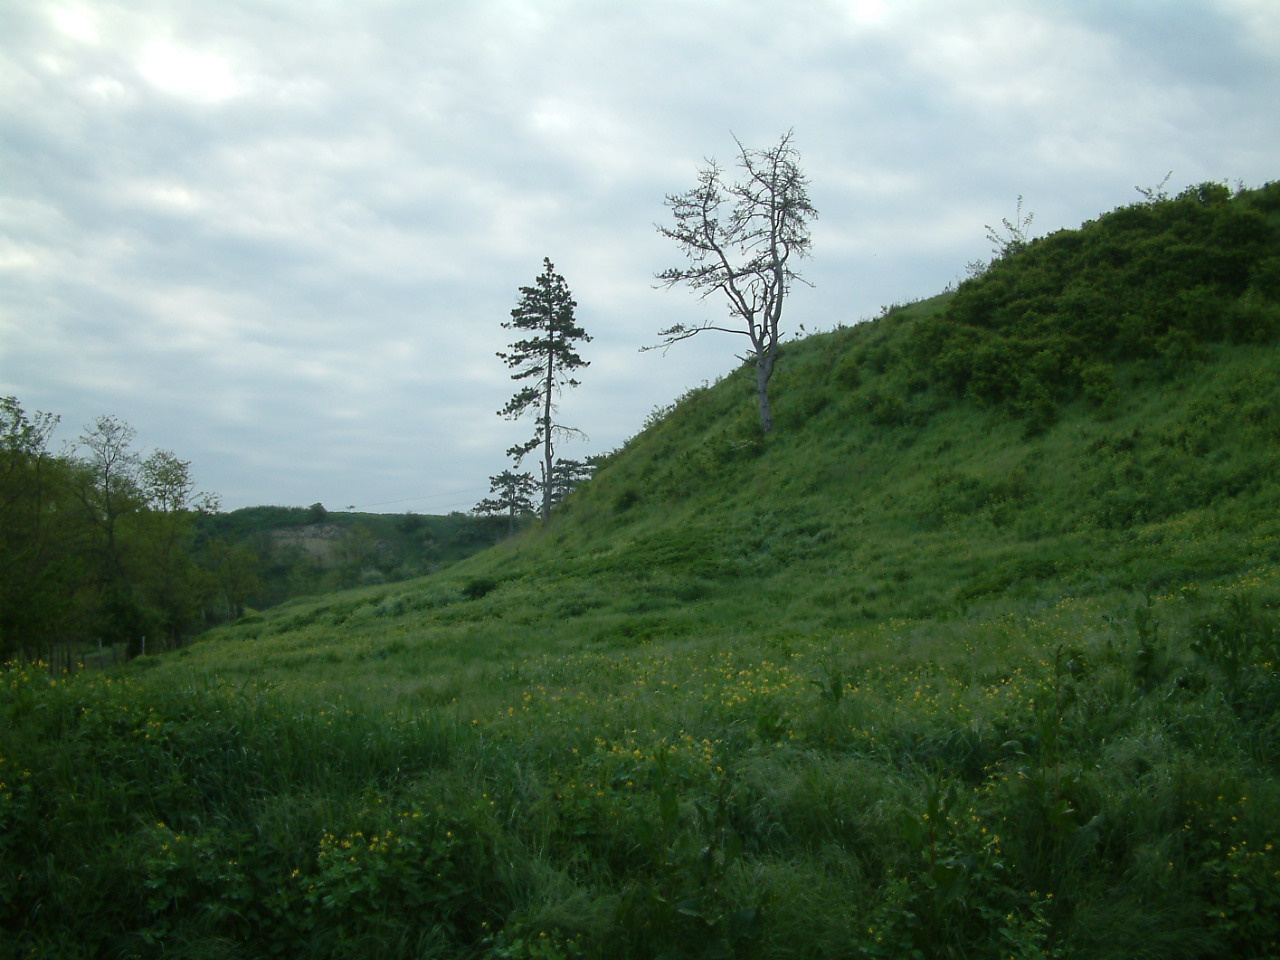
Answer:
x=975 y=655
x=989 y=442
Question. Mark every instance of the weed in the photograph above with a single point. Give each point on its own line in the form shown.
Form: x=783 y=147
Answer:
x=478 y=587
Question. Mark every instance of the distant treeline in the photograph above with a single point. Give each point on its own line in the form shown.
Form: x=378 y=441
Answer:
x=304 y=550
x=105 y=549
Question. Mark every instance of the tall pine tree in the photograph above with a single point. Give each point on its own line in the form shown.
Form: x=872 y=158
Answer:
x=544 y=362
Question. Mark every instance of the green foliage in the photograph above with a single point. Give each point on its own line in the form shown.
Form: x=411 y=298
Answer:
x=1157 y=281
x=953 y=897
x=1242 y=640
x=97 y=542
x=106 y=554
x=512 y=498
x=476 y=588
x=285 y=555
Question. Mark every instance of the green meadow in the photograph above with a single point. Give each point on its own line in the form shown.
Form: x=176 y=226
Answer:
x=976 y=655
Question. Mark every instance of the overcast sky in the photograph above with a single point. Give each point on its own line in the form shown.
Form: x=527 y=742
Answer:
x=280 y=237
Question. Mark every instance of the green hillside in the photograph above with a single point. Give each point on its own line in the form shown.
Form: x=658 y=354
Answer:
x=975 y=655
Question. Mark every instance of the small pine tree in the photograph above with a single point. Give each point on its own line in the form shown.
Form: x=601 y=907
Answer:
x=512 y=498
x=567 y=476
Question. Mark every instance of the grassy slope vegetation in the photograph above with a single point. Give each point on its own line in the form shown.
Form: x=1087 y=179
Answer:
x=976 y=656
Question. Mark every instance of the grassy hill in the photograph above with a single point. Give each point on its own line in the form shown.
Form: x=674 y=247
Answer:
x=975 y=655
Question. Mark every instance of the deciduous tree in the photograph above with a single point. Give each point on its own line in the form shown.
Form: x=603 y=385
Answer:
x=141 y=511
x=98 y=542
x=39 y=583
x=167 y=576
x=110 y=489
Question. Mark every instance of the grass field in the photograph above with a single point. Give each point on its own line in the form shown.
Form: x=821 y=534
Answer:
x=1071 y=782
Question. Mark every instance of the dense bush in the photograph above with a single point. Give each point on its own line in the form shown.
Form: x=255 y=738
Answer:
x=1155 y=282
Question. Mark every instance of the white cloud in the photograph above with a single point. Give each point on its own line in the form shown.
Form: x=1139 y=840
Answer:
x=78 y=23
x=190 y=73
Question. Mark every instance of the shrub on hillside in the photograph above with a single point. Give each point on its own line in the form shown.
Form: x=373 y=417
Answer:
x=1156 y=282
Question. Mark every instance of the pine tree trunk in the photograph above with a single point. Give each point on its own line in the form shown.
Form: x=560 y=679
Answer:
x=546 y=439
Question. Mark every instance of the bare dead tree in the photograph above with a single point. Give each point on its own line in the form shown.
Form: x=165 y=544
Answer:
x=742 y=239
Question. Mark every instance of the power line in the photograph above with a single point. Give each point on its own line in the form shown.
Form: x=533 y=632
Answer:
x=433 y=496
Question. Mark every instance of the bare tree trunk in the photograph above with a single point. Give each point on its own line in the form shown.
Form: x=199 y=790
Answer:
x=764 y=371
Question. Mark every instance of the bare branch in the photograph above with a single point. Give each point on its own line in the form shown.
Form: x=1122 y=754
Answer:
x=740 y=240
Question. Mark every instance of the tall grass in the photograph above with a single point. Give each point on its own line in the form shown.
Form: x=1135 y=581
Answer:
x=1073 y=783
